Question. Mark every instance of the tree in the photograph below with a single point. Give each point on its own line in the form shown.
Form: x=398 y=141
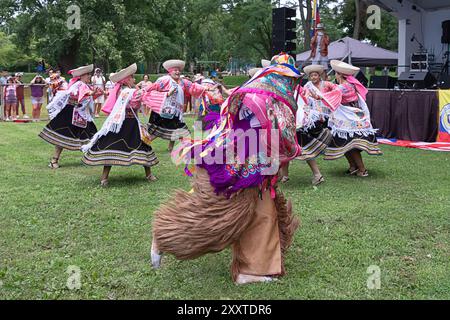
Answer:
x=386 y=37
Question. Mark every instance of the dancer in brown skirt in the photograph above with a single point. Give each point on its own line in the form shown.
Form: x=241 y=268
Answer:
x=235 y=202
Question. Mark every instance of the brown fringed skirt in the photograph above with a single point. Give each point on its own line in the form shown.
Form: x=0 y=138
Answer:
x=259 y=230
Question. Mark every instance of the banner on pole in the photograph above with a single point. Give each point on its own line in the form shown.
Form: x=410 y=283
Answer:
x=444 y=116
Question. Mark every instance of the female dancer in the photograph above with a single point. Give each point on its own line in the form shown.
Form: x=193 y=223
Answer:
x=165 y=98
x=312 y=117
x=350 y=120
x=119 y=141
x=70 y=112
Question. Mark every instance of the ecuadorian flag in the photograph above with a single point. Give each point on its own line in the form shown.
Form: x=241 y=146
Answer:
x=444 y=116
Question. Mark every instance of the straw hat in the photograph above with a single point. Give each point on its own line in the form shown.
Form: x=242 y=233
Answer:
x=81 y=70
x=169 y=64
x=265 y=63
x=314 y=68
x=253 y=71
x=344 y=68
x=208 y=81
x=198 y=77
x=320 y=26
x=124 y=73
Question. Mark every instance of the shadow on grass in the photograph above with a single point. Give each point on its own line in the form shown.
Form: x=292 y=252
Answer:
x=374 y=174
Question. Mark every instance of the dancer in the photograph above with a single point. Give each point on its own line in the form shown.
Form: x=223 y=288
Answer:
x=70 y=111
x=210 y=93
x=165 y=98
x=119 y=141
x=312 y=117
x=350 y=121
x=236 y=203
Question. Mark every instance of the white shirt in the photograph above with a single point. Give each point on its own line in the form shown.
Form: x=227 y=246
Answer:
x=98 y=82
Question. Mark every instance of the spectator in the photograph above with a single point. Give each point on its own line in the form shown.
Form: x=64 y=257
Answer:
x=41 y=67
x=3 y=80
x=48 y=81
x=99 y=81
x=145 y=82
x=20 y=92
x=109 y=86
x=37 y=96
x=10 y=97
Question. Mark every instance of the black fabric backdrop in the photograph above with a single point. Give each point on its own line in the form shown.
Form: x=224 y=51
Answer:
x=405 y=115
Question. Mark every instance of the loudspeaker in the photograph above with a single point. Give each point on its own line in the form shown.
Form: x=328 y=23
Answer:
x=445 y=32
x=382 y=82
x=444 y=81
x=283 y=30
x=416 y=80
x=362 y=78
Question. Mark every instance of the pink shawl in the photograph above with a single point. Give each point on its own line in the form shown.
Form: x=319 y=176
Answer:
x=112 y=98
x=359 y=86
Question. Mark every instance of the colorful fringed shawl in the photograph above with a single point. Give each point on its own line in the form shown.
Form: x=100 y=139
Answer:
x=270 y=96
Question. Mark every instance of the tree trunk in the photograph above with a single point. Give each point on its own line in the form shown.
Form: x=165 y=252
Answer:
x=68 y=59
x=306 y=21
x=356 y=30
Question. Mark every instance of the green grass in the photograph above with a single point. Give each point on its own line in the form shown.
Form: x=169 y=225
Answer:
x=397 y=219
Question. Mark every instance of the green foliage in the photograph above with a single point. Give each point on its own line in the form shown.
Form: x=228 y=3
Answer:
x=386 y=37
x=9 y=54
x=116 y=33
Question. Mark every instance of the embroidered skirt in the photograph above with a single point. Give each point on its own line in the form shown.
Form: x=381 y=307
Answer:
x=339 y=146
x=313 y=141
x=167 y=129
x=61 y=132
x=124 y=148
x=346 y=136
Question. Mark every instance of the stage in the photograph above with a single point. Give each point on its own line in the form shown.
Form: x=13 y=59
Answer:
x=405 y=114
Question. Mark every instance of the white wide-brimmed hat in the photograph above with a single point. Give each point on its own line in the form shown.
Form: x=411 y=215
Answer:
x=320 y=26
x=265 y=63
x=122 y=74
x=198 y=77
x=253 y=71
x=208 y=81
x=169 y=64
x=344 y=68
x=78 y=72
x=314 y=68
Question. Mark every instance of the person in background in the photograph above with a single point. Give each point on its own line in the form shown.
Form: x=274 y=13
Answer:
x=20 y=92
x=41 y=67
x=319 y=47
x=48 y=81
x=98 y=81
x=37 y=87
x=145 y=82
x=109 y=86
x=3 y=81
x=10 y=97
x=142 y=85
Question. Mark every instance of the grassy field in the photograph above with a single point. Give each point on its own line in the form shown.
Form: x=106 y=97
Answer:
x=397 y=219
